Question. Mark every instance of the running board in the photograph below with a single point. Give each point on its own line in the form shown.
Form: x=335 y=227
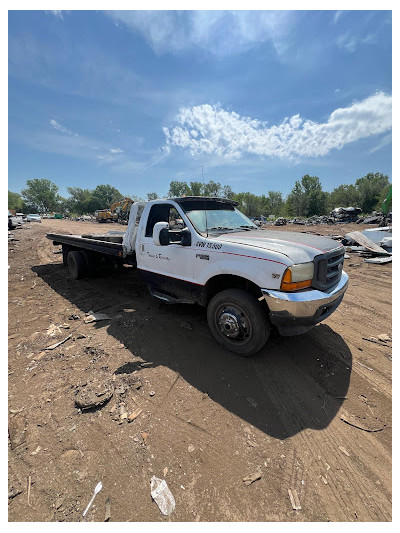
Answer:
x=167 y=298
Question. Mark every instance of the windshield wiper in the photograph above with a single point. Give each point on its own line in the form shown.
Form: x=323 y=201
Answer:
x=221 y=227
x=249 y=227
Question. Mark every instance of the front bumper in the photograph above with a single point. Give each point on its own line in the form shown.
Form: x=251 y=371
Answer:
x=296 y=312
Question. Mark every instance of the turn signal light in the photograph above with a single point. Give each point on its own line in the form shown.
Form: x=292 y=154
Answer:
x=288 y=285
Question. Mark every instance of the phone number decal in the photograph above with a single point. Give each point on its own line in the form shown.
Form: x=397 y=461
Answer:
x=212 y=245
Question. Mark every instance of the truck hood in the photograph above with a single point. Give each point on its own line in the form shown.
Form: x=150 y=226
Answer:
x=299 y=247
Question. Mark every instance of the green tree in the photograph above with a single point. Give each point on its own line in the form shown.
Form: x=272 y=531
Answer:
x=274 y=203
x=178 y=188
x=344 y=196
x=103 y=196
x=316 y=198
x=41 y=195
x=15 y=201
x=196 y=188
x=80 y=200
x=152 y=196
x=212 y=189
x=297 y=201
x=370 y=189
x=249 y=203
x=227 y=192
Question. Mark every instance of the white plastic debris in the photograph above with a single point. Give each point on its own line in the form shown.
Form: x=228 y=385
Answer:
x=162 y=495
x=95 y=317
x=97 y=489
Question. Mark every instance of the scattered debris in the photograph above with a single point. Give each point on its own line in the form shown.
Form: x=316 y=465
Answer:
x=134 y=414
x=248 y=480
x=16 y=431
x=53 y=330
x=165 y=471
x=29 y=490
x=152 y=393
x=93 y=394
x=374 y=340
x=97 y=489
x=384 y=337
x=371 y=426
x=107 y=516
x=53 y=346
x=95 y=317
x=378 y=260
x=294 y=499
x=73 y=317
x=252 y=444
x=191 y=448
x=364 y=241
x=162 y=495
x=344 y=451
x=145 y=436
x=364 y=366
x=252 y=402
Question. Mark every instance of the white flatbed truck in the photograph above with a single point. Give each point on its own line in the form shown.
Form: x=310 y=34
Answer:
x=204 y=250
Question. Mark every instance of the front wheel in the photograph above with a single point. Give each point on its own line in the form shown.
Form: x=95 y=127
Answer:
x=238 y=322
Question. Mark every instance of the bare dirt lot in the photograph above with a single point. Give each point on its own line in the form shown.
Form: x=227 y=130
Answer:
x=310 y=414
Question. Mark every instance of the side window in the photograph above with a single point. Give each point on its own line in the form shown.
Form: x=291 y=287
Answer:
x=164 y=213
x=175 y=220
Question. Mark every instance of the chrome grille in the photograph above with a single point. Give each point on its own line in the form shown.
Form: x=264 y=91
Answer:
x=328 y=269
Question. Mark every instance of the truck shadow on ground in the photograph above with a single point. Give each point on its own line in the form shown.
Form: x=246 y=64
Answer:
x=294 y=383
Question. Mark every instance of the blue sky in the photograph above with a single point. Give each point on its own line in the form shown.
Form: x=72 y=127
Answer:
x=137 y=99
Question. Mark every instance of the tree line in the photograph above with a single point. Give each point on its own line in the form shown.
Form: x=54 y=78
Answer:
x=307 y=198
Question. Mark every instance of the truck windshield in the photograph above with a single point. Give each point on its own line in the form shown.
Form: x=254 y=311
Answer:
x=225 y=218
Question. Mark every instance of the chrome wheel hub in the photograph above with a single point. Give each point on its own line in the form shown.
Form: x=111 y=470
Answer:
x=233 y=323
x=229 y=325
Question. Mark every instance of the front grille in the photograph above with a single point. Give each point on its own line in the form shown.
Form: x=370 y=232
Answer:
x=328 y=269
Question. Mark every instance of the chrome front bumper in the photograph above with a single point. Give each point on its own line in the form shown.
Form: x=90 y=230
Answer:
x=300 y=310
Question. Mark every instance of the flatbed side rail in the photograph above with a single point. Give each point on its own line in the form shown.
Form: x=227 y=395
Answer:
x=104 y=247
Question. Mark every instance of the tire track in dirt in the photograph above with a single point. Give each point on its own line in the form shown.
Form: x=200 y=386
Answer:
x=325 y=445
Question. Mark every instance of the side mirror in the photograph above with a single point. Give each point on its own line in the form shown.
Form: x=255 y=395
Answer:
x=186 y=237
x=160 y=234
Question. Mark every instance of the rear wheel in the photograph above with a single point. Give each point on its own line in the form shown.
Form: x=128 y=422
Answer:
x=238 y=322
x=77 y=265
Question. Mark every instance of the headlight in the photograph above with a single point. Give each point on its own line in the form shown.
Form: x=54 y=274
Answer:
x=298 y=277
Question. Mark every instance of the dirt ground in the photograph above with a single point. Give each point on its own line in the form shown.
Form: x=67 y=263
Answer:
x=310 y=414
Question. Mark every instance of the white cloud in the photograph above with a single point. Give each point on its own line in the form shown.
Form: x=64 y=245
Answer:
x=351 y=42
x=57 y=13
x=61 y=128
x=219 y=32
x=337 y=16
x=116 y=150
x=207 y=129
x=387 y=139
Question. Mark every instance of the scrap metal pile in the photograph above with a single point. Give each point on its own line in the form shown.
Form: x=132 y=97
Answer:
x=374 y=244
x=339 y=215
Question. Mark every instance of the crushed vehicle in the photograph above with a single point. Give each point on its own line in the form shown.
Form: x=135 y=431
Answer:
x=248 y=278
x=14 y=221
x=34 y=218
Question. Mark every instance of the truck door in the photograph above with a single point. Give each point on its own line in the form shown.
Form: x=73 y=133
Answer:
x=168 y=269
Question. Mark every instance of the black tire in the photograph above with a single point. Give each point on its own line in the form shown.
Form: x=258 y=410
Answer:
x=238 y=322
x=90 y=261
x=65 y=252
x=77 y=265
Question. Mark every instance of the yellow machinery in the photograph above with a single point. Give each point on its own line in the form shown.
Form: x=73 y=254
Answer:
x=104 y=215
x=119 y=210
x=116 y=213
